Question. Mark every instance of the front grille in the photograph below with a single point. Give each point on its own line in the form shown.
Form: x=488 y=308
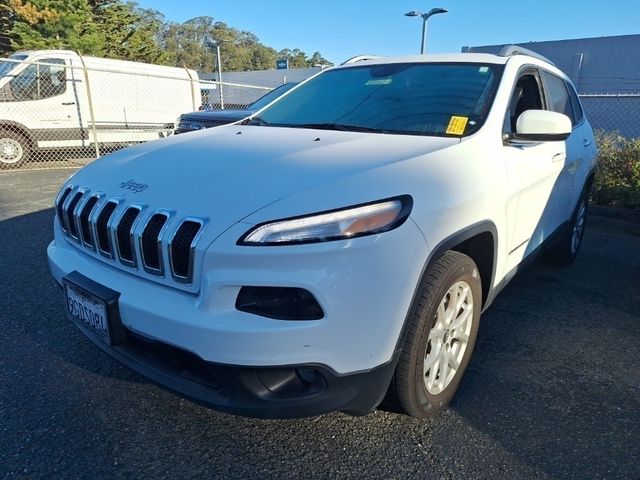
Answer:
x=151 y=248
x=124 y=234
x=131 y=234
x=69 y=212
x=102 y=228
x=85 y=226
x=60 y=207
x=215 y=123
x=180 y=249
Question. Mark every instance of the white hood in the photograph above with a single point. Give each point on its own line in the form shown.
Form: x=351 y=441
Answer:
x=229 y=172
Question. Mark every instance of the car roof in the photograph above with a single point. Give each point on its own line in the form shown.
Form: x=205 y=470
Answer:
x=515 y=54
x=431 y=58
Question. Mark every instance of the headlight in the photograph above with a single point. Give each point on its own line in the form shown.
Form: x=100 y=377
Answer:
x=355 y=221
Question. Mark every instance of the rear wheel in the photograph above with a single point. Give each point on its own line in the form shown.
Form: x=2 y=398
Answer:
x=14 y=149
x=442 y=330
x=565 y=251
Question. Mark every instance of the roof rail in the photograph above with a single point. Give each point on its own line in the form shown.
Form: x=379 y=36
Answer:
x=510 y=50
x=360 y=58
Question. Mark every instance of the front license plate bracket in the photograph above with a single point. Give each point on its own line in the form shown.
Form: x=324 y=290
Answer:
x=95 y=292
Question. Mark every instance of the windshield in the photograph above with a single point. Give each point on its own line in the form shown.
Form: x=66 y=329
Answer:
x=271 y=96
x=6 y=67
x=451 y=99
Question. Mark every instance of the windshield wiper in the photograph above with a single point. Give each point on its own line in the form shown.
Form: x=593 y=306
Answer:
x=256 y=121
x=316 y=126
x=336 y=126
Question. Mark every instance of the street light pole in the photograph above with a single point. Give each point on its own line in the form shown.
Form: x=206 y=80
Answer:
x=425 y=17
x=424 y=35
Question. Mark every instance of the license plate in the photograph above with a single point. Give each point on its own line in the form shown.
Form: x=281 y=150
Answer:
x=88 y=310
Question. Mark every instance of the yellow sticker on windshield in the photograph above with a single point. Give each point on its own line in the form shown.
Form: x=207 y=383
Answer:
x=457 y=125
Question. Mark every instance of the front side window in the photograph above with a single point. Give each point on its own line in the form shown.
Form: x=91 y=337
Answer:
x=7 y=66
x=38 y=81
x=437 y=99
x=526 y=96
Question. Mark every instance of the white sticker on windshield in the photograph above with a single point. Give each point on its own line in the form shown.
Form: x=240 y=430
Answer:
x=379 y=81
x=483 y=69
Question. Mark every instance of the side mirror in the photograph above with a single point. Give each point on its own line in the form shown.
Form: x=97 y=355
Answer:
x=542 y=126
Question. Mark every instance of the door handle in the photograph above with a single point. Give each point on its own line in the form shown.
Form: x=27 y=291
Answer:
x=586 y=142
x=559 y=157
x=68 y=103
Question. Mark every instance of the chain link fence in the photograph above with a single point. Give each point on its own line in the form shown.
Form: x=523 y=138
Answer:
x=63 y=110
x=614 y=112
x=59 y=109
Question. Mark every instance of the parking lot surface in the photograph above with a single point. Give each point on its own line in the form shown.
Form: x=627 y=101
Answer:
x=552 y=391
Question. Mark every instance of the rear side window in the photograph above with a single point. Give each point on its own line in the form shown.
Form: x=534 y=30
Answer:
x=575 y=104
x=558 y=96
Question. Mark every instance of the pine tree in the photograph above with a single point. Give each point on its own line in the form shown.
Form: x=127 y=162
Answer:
x=130 y=33
x=42 y=24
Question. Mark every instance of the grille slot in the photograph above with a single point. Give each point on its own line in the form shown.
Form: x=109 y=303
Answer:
x=181 y=250
x=102 y=231
x=59 y=208
x=85 y=226
x=150 y=243
x=124 y=237
x=71 y=223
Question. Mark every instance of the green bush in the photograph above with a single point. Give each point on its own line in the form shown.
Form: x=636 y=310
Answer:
x=617 y=182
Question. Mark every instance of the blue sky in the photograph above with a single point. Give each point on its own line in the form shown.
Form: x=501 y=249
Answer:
x=342 y=29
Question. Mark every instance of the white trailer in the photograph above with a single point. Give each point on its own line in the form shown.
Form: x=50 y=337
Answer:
x=51 y=99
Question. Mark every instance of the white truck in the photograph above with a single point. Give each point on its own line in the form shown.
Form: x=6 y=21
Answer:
x=58 y=99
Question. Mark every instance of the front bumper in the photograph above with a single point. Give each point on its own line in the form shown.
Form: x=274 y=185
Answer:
x=365 y=287
x=262 y=392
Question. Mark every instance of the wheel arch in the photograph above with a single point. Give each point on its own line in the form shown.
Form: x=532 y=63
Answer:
x=588 y=183
x=479 y=242
x=471 y=241
x=20 y=129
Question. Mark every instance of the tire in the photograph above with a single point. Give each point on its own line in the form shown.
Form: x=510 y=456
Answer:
x=566 y=249
x=14 y=149
x=419 y=387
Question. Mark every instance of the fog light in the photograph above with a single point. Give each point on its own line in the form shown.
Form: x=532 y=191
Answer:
x=281 y=303
x=309 y=376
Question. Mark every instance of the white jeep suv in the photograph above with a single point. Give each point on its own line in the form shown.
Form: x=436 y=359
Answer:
x=336 y=248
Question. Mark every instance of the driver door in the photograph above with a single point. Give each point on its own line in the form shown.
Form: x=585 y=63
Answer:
x=533 y=169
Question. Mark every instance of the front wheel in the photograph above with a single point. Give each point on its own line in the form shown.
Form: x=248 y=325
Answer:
x=14 y=149
x=442 y=330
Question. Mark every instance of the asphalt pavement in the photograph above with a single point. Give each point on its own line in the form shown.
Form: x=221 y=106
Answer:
x=552 y=391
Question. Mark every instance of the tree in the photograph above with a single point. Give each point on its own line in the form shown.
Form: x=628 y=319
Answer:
x=7 y=20
x=129 y=32
x=191 y=43
x=317 y=59
x=298 y=59
x=42 y=24
x=121 y=29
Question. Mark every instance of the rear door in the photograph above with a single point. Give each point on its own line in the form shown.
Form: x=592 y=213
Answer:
x=558 y=100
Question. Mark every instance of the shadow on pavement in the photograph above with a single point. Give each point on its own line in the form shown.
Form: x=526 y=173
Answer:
x=32 y=305
x=555 y=376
